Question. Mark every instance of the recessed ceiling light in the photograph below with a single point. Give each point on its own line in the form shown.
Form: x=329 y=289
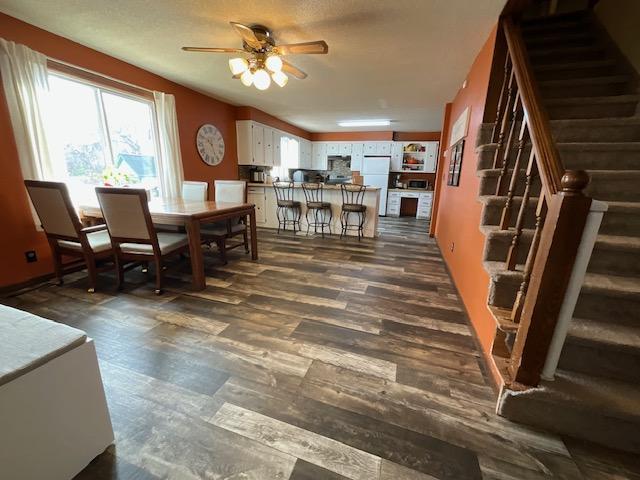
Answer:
x=365 y=123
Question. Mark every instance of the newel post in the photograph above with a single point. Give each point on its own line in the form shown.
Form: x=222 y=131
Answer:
x=561 y=234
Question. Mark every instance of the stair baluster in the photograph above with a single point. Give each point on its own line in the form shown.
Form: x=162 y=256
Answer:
x=516 y=117
x=501 y=100
x=506 y=120
x=523 y=138
x=516 y=311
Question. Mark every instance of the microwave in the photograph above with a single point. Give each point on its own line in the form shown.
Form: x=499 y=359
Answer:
x=417 y=184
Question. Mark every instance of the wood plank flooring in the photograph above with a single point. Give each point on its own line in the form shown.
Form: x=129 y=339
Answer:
x=326 y=359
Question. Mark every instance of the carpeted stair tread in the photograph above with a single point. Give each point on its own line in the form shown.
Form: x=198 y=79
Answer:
x=613 y=335
x=585 y=81
x=501 y=199
x=541 y=52
x=559 y=37
x=596 y=122
x=576 y=65
x=606 y=99
x=611 y=285
x=618 y=399
x=619 y=242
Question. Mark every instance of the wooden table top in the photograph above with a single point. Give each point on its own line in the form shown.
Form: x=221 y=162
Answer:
x=163 y=210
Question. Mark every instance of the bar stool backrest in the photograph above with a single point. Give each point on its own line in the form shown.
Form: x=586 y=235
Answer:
x=284 y=190
x=313 y=192
x=352 y=193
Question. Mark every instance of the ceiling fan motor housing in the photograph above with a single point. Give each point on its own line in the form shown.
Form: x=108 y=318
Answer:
x=264 y=35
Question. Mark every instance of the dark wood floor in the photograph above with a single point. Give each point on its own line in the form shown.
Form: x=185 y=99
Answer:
x=326 y=359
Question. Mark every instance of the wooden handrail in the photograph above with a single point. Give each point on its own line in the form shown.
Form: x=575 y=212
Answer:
x=549 y=165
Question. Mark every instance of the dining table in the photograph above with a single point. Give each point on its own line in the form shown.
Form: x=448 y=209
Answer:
x=190 y=215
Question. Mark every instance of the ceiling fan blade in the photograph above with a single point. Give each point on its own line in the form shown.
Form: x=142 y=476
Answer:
x=213 y=50
x=295 y=71
x=317 y=47
x=247 y=35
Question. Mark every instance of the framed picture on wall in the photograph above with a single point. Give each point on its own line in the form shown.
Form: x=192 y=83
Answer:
x=455 y=164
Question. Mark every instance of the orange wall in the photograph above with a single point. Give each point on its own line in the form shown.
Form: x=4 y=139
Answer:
x=251 y=113
x=458 y=217
x=193 y=110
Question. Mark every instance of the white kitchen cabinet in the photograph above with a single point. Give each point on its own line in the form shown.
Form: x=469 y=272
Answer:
x=267 y=139
x=333 y=148
x=306 y=152
x=396 y=156
x=393 y=204
x=319 y=160
x=431 y=160
x=244 y=138
x=383 y=148
x=277 y=148
x=425 y=202
x=357 y=154
x=257 y=135
x=345 y=148
x=256 y=195
x=370 y=148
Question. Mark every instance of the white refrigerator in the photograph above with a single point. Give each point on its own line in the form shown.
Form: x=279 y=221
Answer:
x=375 y=171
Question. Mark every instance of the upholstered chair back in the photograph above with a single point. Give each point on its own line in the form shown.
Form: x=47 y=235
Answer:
x=194 y=191
x=53 y=205
x=230 y=191
x=126 y=212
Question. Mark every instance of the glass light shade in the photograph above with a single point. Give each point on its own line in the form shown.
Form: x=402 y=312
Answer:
x=261 y=79
x=274 y=63
x=247 y=78
x=238 y=65
x=280 y=78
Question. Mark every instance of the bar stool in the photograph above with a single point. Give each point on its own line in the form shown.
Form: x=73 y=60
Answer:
x=314 y=194
x=288 y=210
x=352 y=203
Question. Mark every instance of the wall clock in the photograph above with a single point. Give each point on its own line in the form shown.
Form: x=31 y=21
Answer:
x=210 y=144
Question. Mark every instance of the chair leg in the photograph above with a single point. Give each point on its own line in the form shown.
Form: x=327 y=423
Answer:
x=91 y=270
x=159 y=274
x=57 y=266
x=119 y=273
x=306 y=216
x=245 y=236
x=222 y=247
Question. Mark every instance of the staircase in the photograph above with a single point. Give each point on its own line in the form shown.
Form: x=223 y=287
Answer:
x=591 y=97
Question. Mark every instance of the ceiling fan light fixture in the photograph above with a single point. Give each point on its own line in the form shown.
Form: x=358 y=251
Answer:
x=247 y=78
x=274 y=63
x=365 y=123
x=280 y=78
x=238 y=65
x=261 y=79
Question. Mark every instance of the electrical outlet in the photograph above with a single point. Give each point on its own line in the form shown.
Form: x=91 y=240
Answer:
x=452 y=246
x=31 y=256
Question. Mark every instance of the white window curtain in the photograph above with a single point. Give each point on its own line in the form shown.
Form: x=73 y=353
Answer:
x=171 y=173
x=26 y=86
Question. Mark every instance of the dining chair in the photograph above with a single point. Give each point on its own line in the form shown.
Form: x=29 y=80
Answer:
x=133 y=235
x=65 y=233
x=227 y=191
x=193 y=191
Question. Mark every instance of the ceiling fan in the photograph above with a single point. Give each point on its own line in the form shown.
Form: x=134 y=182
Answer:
x=262 y=61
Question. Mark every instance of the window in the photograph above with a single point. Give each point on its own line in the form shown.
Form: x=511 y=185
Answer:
x=289 y=157
x=99 y=136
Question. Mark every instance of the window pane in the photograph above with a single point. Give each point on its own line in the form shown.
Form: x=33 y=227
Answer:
x=75 y=133
x=130 y=124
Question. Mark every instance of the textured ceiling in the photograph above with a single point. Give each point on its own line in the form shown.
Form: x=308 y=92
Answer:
x=395 y=59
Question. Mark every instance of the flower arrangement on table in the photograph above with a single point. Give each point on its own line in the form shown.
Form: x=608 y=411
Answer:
x=114 y=177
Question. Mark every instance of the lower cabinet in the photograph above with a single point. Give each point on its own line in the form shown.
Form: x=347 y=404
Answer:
x=394 y=201
x=256 y=195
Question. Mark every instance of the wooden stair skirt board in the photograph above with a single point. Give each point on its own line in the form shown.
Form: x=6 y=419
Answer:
x=592 y=99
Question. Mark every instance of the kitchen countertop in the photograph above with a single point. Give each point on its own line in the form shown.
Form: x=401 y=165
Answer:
x=298 y=185
x=413 y=190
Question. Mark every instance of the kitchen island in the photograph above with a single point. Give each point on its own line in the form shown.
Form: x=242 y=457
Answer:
x=264 y=197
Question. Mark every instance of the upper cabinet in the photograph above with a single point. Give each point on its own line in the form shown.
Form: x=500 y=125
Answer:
x=418 y=157
x=258 y=144
x=319 y=157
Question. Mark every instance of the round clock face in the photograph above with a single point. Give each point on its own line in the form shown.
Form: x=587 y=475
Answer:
x=210 y=144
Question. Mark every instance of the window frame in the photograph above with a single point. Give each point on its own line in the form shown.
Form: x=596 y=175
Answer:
x=110 y=86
